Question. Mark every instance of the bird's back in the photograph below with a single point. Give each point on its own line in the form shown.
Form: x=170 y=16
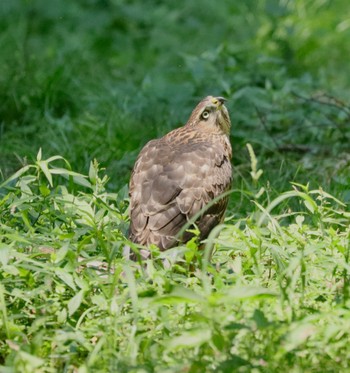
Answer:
x=173 y=179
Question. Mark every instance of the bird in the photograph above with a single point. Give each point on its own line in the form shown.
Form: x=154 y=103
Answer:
x=177 y=175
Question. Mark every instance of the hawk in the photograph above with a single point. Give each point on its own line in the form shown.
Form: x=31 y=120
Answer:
x=174 y=177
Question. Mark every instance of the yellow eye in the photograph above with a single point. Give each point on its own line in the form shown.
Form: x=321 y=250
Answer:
x=205 y=114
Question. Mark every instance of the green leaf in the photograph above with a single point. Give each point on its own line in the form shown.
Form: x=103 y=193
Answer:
x=260 y=319
x=100 y=301
x=298 y=336
x=310 y=206
x=39 y=155
x=54 y=158
x=11 y=270
x=218 y=340
x=44 y=190
x=193 y=338
x=4 y=254
x=66 y=277
x=44 y=168
x=31 y=362
x=233 y=363
x=61 y=253
x=62 y=316
x=81 y=283
x=75 y=302
x=249 y=292
x=64 y=171
x=180 y=295
x=92 y=173
x=81 y=180
x=16 y=175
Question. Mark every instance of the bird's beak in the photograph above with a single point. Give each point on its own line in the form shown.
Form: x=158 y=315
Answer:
x=222 y=100
x=218 y=101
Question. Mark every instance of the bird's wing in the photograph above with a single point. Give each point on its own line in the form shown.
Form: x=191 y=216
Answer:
x=170 y=184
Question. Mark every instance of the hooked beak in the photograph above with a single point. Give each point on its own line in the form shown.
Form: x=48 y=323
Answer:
x=222 y=100
x=218 y=101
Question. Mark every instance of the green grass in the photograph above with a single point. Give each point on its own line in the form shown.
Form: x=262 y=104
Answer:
x=99 y=79
x=274 y=295
x=85 y=80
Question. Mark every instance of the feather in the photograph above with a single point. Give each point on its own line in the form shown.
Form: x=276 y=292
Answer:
x=175 y=176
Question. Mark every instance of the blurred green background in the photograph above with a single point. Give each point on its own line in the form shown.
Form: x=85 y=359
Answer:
x=99 y=78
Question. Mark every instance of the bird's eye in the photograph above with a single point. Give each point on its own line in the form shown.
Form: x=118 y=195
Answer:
x=205 y=114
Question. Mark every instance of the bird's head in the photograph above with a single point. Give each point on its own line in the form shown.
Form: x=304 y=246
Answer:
x=211 y=114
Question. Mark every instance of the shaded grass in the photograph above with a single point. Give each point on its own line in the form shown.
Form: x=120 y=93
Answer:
x=99 y=80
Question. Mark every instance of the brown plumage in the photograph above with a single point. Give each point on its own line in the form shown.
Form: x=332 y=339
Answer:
x=175 y=176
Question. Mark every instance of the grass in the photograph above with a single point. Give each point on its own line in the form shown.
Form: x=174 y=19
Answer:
x=275 y=294
x=88 y=83
x=74 y=84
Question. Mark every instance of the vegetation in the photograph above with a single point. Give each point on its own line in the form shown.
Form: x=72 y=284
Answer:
x=85 y=84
